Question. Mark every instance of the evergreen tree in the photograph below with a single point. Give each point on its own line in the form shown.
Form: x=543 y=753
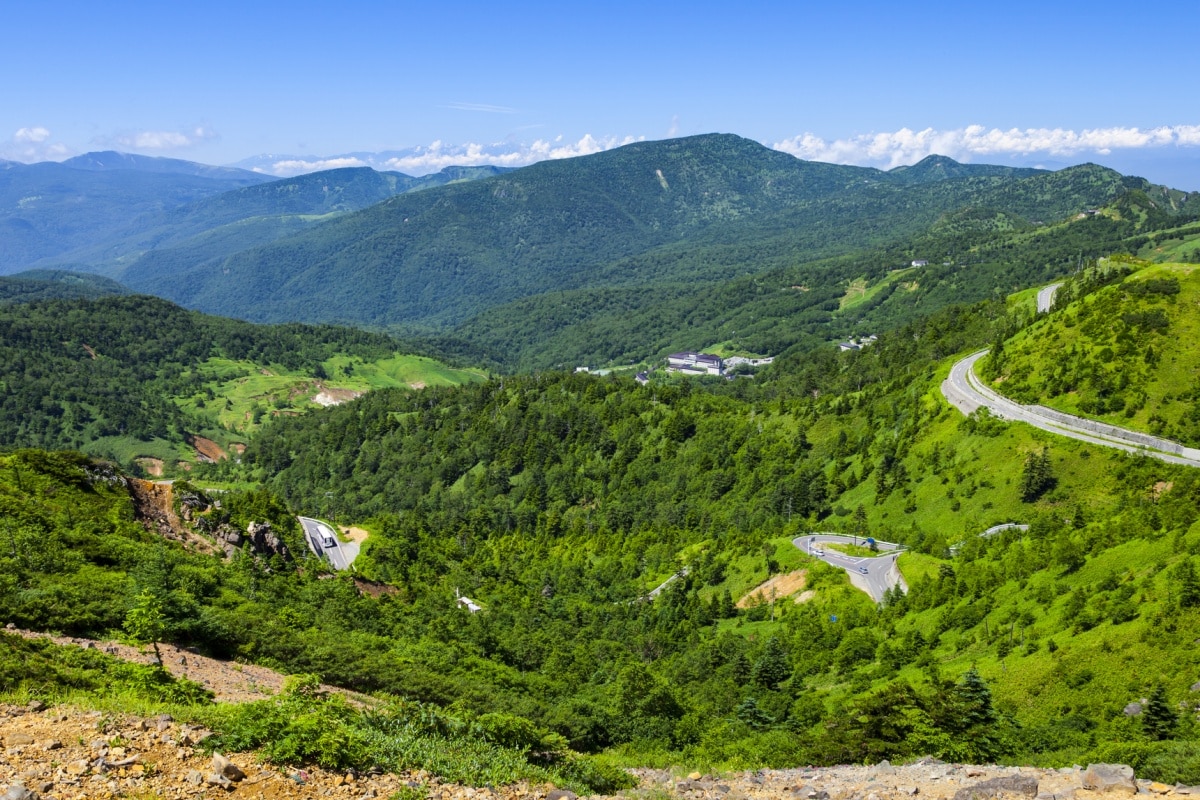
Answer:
x=1158 y=718
x=773 y=667
x=1036 y=476
x=749 y=713
x=972 y=701
x=1189 y=585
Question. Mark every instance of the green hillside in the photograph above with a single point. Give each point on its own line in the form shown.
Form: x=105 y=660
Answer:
x=136 y=377
x=554 y=497
x=1124 y=353
x=972 y=254
x=48 y=210
x=557 y=501
x=681 y=213
x=48 y=284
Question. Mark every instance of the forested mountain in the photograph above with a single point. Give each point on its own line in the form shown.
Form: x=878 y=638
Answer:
x=129 y=377
x=50 y=284
x=106 y=160
x=558 y=501
x=972 y=254
x=103 y=210
x=675 y=218
x=48 y=210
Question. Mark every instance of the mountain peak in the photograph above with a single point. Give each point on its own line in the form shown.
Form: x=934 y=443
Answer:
x=107 y=160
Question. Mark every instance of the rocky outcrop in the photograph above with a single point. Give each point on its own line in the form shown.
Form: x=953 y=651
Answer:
x=1109 y=778
x=259 y=537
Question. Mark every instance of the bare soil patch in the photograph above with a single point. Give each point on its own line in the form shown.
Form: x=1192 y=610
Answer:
x=417 y=385
x=354 y=534
x=153 y=466
x=207 y=449
x=333 y=397
x=775 y=588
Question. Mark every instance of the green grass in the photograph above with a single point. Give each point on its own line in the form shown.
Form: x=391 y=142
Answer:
x=125 y=449
x=861 y=291
x=1087 y=360
x=246 y=394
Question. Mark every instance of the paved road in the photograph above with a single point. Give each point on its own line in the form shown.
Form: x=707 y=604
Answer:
x=657 y=590
x=1045 y=298
x=966 y=392
x=992 y=531
x=340 y=554
x=872 y=575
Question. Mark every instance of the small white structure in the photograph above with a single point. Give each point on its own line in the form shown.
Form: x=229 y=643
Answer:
x=692 y=363
x=852 y=344
x=467 y=603
x=920 y=262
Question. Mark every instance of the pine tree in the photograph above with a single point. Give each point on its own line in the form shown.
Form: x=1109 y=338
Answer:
x=773 y=667
x=1158 y=719
x=1036 y=476
x=973 y=701
x=1189 y=585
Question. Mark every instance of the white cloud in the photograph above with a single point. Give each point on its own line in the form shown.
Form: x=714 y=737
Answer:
x=163 y=140
x=297 y=166
x=31 y=135
x=33 y=144
x=905 y=146
x=438 y=155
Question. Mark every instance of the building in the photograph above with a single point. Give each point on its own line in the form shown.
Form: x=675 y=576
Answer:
x=920 y=262
x=691 y=363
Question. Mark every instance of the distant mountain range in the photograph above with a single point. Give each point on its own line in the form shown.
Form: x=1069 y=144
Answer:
x=612 y=256
x=105 y=209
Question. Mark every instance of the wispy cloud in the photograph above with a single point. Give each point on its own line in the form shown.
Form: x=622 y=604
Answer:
x=906 y=146
x=300 y=166
x=33 y=144
x=438 y=155
x=162 y=140
x=483 y=107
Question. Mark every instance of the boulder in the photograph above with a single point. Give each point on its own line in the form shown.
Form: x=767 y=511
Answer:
x=1022 y=785
x=1110 y=778
x=18 y=740
x=265 y=541
x=1133 y=710
x=227 y=769
x=19 y=792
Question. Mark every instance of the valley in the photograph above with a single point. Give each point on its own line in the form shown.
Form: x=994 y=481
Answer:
x=973 y=540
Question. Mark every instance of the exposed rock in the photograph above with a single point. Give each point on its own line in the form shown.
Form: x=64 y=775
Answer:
x=18 y=740
x=561 y=794
x=19 y=792
x=999 y=787
x=265 y=541
x=1110 y=778
x=1133 y=710
x=226 y=768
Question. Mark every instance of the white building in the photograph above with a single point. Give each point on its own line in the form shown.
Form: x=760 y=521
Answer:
x=691 y=363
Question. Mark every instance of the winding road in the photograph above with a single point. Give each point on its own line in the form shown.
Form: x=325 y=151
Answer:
x=966 y=392
x=1045 y=298
x=874 y=575
x=340 y=554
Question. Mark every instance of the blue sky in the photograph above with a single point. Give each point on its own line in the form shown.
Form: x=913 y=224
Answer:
x=431 y=84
